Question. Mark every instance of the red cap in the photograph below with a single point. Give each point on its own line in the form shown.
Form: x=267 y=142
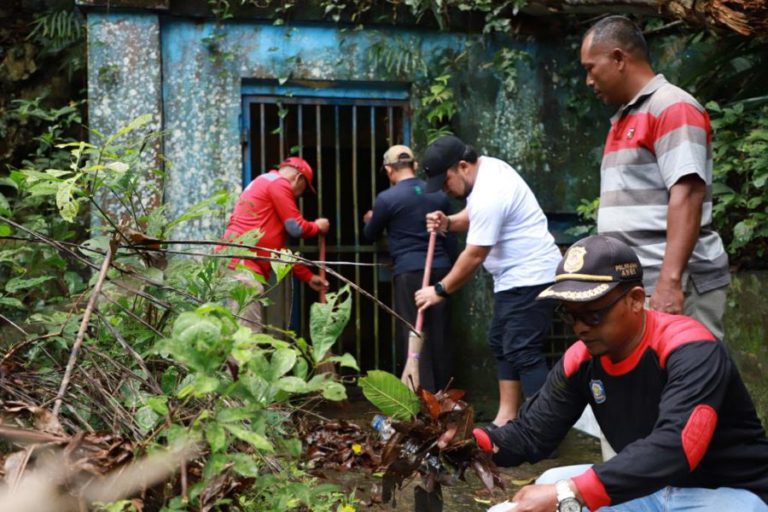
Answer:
x=303 y=167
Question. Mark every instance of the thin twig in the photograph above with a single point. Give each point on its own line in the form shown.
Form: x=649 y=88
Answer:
x=24 y=343
x=184 y=489
x=27 y=454
x=293 y=258
x=663 y=28
x=18 y=328
x=133 y=315
x=83 y=327
x=150 y=377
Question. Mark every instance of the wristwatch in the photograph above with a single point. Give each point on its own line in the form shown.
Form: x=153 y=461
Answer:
x=440 y=290
x=566 y=499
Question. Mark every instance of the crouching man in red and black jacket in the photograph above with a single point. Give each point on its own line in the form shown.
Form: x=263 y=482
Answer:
x=665 y=392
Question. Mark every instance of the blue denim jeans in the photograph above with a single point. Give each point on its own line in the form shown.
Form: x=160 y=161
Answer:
x=672 y=499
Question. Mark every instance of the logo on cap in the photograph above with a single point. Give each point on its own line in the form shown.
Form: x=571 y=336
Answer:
x=574 y=259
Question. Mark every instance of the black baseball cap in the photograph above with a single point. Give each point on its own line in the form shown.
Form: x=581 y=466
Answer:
x=440 y=156
x=591 y=268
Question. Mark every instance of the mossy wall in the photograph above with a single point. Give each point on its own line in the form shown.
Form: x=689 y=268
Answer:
x=746 y=333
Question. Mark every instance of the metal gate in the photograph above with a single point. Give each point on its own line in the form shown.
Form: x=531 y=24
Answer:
x=342 y=130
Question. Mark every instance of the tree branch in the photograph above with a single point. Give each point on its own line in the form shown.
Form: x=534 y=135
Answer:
x=84 y=326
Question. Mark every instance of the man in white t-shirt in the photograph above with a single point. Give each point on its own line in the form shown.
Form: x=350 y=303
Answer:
x=508 y=234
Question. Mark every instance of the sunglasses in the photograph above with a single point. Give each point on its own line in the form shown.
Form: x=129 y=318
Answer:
x=592 y=318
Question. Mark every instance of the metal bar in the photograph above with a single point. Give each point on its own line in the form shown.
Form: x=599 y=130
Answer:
x=338 y=188
x=286 y=100
x=282 y=130
x=245 y=139
x=301 y=289
x=390 y=139
x=300 y=138
x=356 y=223
x=338 y=249
x=338 y=176
x=405 y=122
x=376 y=341
x=319 y=133
x=262 y=134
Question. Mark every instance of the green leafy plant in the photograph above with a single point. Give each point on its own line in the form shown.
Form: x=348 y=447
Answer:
x=740 y=195
x=61 y=27
x=390 y=395
x=440 y=106
x=587 y=211
x=166 y=358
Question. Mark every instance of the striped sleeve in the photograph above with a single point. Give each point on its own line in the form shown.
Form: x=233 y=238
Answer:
x=682 y=134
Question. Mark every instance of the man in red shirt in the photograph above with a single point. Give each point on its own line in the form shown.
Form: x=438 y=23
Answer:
x=268 y=205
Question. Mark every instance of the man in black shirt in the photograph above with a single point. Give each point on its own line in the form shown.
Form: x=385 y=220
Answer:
x=401 y=211
x=665 y=392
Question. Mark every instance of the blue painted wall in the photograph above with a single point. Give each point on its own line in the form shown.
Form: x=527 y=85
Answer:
x=124 y=82
x=191 y=75
x=201 y=70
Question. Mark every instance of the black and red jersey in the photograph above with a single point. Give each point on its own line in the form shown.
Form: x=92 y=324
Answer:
x=676 y=411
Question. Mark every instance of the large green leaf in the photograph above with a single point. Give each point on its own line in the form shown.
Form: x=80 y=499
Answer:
x=135 y=124
x=281 y=363
x=327 y=321
x=11 y=302
x=292 y=385
x=217 y=438
x=65 y=200
x=256 y=440
x=19 y=283
x=390 y=395
x=5 y=207
x=346 y=361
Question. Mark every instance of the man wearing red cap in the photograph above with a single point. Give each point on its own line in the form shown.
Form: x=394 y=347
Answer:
x=268 y=205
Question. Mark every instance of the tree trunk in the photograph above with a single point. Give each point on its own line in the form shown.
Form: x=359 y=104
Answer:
x=747 y=17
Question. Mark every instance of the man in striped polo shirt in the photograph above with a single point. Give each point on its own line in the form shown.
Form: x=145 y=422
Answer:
x=656 y=175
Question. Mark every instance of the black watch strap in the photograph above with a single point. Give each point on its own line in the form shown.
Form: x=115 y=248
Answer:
x=440 y=290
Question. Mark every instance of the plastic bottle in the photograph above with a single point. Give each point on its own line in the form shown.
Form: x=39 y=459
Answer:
x=383 y=426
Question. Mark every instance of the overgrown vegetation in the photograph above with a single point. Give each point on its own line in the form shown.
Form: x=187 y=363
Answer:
x=161 y=358
x=156 y=357
x=740 y=194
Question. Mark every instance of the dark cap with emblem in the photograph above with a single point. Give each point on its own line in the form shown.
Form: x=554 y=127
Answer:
x=591 y=268
x=440 y=156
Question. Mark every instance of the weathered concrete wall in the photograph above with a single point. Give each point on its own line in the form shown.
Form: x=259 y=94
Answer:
x=204 y=65
x=124 y=82
x=513 y=115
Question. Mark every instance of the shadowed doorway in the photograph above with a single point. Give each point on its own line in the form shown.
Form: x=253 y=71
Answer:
x=342 y=130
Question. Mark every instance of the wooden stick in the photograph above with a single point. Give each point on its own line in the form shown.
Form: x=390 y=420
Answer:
x=84 y=326
x=427 y=274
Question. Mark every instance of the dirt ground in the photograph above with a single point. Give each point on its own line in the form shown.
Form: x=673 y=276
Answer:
x=468 y=496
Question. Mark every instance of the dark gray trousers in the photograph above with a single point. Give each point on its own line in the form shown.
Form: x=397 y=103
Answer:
x=436 y=362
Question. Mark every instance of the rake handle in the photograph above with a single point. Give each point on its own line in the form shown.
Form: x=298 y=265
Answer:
x=427 y=272
x=321 y=258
